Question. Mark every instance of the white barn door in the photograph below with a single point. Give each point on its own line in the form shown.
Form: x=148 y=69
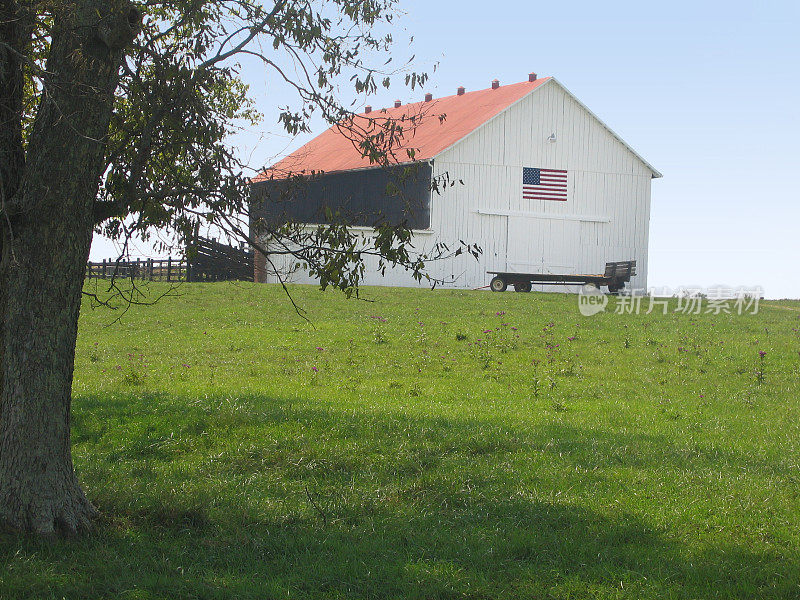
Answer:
x=543 y=245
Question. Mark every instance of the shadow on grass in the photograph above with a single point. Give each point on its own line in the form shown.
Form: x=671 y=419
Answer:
x=262 y=498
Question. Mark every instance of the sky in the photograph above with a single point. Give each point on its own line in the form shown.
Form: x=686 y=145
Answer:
x=706 y=91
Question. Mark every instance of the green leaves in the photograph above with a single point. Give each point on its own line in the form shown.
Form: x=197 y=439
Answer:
x=170 y=166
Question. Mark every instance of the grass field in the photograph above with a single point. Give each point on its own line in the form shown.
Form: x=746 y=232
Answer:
x=428 y=444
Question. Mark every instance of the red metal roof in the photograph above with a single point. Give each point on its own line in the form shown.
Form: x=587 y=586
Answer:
x=424 y=130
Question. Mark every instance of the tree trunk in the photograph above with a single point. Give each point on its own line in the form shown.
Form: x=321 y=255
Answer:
x=42 y=266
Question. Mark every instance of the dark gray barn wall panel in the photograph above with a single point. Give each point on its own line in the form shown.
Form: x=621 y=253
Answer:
x=361 y=198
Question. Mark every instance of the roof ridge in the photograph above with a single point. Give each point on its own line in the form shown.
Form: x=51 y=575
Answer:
x=458 y=115
x=538 y=82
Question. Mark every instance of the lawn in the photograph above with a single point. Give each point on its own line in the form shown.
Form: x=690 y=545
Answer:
x=427 y=444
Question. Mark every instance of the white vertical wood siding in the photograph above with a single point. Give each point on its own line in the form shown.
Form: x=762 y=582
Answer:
x=286 y=268
x=605 y=218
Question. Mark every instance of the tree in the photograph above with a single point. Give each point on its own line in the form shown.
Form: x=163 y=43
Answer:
x=114 y=117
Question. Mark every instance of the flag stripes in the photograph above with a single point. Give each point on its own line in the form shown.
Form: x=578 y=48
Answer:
x=544 y=184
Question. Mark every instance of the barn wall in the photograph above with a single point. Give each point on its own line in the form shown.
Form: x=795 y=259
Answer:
x=605 y=218
x=284 y=267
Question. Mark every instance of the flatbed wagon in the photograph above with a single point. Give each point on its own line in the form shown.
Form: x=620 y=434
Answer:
x=615 y=276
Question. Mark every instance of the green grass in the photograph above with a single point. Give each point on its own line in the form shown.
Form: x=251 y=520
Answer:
x=381 y=451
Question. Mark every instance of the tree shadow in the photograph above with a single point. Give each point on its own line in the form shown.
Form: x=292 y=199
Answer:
x=312 y=502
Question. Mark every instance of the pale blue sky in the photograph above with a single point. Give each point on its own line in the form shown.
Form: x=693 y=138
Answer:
x=707 y=92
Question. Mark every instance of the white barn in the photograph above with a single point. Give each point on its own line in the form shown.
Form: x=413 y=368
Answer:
x=544 y=186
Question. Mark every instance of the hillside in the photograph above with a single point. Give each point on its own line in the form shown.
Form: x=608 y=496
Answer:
x=428 y=444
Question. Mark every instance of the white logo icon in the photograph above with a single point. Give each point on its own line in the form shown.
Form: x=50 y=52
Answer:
x=591 y=300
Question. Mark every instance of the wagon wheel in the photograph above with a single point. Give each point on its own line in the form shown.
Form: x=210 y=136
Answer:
x=498 y=284
x=615 y=288
x=522 y=286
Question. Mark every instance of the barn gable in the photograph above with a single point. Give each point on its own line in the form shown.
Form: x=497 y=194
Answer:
x=515 y=136
x=605 y=215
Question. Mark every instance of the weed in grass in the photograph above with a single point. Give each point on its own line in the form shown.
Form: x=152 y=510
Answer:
x=547 y=338
x=423 y=357
x=551 y=352
x=535 y=382
x=461 y=336
x=183 y=372
x=571 y=366
x=353 y=384
x=659 y=354
x=483 y=349
x=132 y=378
x=760 y=370
x=136 y=371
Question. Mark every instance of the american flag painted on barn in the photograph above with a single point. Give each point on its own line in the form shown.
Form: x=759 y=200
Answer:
x=544 y=184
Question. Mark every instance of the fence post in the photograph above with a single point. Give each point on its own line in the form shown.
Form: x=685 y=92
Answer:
x=169 y=266
x=104 y=268
x=150 y=269
x=138 y=267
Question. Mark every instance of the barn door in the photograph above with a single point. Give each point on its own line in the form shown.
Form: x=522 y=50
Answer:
x=562 y=247
x=543 y=245
x=525 y=236
x=493 y=234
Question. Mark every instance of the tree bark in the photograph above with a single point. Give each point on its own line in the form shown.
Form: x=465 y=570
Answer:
x=15 y=37
x=44 y=248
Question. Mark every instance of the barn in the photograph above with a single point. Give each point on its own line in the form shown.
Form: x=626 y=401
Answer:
x=538 y=181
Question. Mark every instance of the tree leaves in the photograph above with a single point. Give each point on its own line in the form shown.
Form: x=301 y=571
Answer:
x=170 y=168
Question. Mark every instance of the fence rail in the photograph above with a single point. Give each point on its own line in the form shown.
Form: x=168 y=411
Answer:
x=211 y=260
x=166 y=269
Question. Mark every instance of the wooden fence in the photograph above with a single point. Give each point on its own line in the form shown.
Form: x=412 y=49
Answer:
x=208 y=260
x=160 y=269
